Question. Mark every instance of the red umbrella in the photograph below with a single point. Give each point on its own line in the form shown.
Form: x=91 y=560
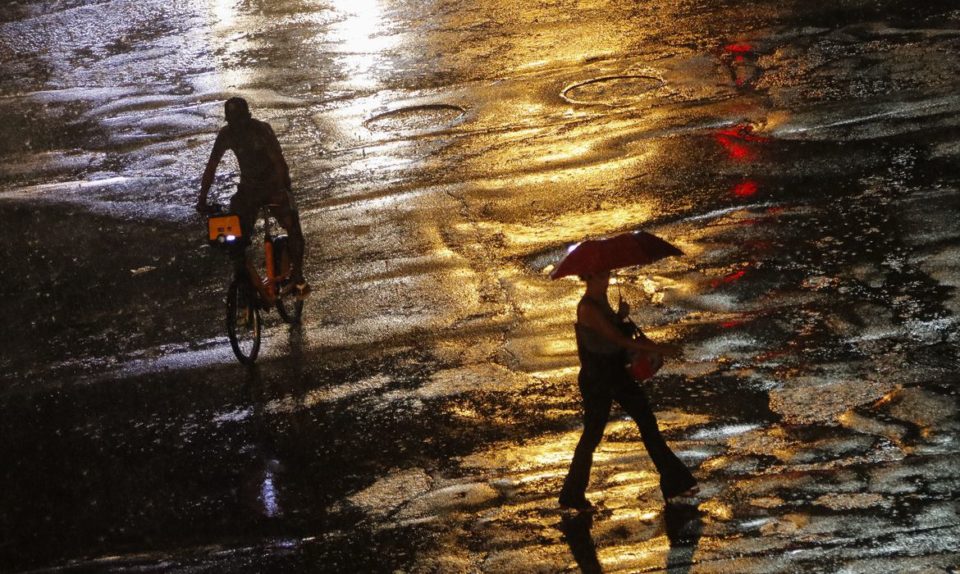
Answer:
x=624 y=250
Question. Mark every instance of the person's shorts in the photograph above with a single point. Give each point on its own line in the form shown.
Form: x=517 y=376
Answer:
x=248 y=201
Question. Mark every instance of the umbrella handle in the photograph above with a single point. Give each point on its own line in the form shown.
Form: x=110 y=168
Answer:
x=620 y=296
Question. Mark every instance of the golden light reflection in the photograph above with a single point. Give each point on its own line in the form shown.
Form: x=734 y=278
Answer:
x=523 y=238
x=559 y=347
x=549 y=455
x=633 y=557
x=637 y=476
x=566 y=152
x=465 y=412
x=638 y=514
x=669 y=420
x=718 y=510
x=889 y=397
x=534 y=64
x=537 y=477
x=715 y=463
x=555 y=374
x=558 y=163
x=360 y=40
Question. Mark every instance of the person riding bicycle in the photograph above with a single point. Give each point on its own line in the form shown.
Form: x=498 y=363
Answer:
x=264 y=181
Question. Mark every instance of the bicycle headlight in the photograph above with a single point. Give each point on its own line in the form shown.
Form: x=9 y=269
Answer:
x=223 y=229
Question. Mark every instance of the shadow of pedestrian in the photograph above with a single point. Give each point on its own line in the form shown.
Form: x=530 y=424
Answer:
x=684 y=525
x=576 y=529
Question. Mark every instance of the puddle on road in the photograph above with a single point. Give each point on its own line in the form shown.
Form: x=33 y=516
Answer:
x=612 y=90
x=424 y=118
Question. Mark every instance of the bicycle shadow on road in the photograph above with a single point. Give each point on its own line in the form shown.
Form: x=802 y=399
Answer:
x=295 y=342
x=261 y=492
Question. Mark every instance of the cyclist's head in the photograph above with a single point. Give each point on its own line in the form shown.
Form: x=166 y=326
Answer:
x=236 y=110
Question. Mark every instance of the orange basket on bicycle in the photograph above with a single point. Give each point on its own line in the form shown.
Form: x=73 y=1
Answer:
x=224 y=229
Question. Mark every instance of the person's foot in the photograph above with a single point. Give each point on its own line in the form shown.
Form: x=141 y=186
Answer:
x=678 y=487
x=580 y=504
x=682 y=497
x=302 y=290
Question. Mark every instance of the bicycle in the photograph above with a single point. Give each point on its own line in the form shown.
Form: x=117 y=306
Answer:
x=250 y=291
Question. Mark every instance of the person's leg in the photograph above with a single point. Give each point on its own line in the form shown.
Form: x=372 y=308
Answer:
x=245 y=206
x=285 y=211
x=596 y=409
x=675 y=478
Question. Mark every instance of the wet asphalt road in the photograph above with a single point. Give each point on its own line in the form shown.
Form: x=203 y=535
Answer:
x=444 y=156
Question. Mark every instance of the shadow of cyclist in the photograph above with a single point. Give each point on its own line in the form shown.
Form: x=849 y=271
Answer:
x=261 y=491
x=295 y=342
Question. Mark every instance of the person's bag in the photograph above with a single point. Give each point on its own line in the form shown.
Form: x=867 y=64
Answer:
x=643 y=365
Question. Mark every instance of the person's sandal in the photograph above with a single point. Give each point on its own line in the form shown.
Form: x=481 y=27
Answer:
x=682 y=497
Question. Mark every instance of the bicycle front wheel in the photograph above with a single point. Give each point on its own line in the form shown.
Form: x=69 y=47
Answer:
x=243 y=320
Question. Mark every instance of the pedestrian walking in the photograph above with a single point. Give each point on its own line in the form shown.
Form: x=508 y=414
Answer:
x=606 y=343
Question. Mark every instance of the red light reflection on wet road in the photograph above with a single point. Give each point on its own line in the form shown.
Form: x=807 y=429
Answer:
x=729 y=278
x=736 y=139
x=742 y=57
x=745 y=189
x=738 y=48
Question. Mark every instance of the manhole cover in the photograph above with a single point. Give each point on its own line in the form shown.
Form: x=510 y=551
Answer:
x=416 y=118
x=611 y=90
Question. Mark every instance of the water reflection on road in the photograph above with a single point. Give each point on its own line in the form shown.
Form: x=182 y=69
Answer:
x=445 y=156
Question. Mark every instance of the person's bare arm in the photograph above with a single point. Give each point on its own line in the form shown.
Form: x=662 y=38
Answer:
x=275 y=153
x=219 y=148
x=590 y=316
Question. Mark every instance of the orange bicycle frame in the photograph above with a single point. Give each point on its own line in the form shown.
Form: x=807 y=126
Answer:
x=266 y=286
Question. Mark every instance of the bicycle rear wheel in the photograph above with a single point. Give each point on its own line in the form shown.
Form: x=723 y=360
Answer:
x=243 y=320
x=290 y=309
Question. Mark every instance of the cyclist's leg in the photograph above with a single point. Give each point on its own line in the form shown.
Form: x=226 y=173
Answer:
x=284 y=209
x=246 y=205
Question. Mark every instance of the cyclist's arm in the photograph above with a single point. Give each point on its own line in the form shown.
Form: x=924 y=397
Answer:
x=219 y=148
x=276 y=157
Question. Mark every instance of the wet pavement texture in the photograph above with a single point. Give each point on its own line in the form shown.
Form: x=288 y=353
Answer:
x=444 y=157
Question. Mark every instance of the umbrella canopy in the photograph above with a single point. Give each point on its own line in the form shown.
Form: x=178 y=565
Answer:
x=624 y=250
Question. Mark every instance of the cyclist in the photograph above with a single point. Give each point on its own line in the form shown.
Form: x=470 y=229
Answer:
x=264 y=181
